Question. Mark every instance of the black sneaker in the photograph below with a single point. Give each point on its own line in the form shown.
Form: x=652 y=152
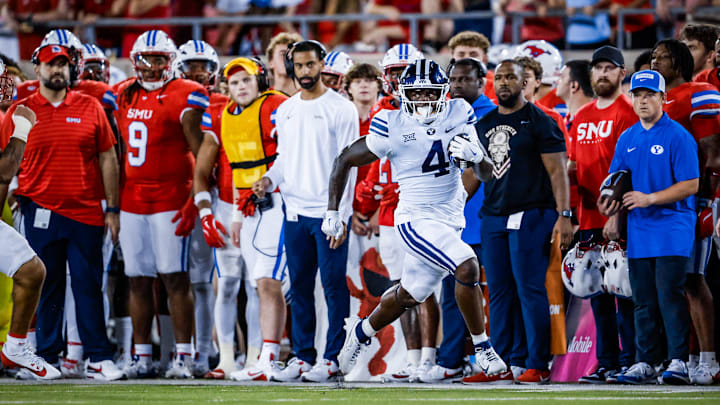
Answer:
x=598 y=377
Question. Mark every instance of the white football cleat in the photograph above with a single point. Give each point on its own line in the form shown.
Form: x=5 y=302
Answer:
x=352 y=348
x=259 y=372
x=323 y=371
x=180 y=367
x=399 y=376
x=104 y=370
x=292 y=372
x=139 y=368
x=420 y=370
x=72 y=368
x=440 y=374
x=31 y=365
x=488 y=359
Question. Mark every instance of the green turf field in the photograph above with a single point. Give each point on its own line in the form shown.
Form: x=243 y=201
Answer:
x=156 y=394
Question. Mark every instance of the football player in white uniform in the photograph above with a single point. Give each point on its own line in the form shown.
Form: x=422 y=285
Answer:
x=17 y=259
x=429 y=216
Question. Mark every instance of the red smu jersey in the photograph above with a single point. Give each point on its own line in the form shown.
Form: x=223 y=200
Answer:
x=696 y=106
x=158 y=167
x=595 y=133
x=98 y=90
x=711 y=76
x=60 y=169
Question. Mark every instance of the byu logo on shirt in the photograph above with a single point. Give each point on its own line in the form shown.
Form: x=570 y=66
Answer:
x=657 y=149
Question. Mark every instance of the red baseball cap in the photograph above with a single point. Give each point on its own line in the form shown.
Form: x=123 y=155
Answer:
x=50 y=52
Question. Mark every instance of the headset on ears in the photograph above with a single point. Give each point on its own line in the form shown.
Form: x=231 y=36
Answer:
x=481 y=68
x=262 y=76
x=290 y=66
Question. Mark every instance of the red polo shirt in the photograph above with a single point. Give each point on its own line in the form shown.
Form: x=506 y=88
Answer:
x=60 y=169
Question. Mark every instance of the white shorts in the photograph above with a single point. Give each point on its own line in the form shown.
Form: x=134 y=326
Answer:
x=15 y=251
x=201 y=261
x=233 y=6
x=434 y=250
x=262 y=242
x=391 y=251
x=150 y=246
x=229 y=260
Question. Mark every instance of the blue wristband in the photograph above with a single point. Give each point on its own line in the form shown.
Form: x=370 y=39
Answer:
x=112 y=210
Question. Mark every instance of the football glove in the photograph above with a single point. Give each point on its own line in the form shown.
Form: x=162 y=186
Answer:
x=212 y=230
x=462 y=147
x=332 y=225
x=187 y=215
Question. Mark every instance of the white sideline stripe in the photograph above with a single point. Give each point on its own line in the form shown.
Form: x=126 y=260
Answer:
x=505 y=399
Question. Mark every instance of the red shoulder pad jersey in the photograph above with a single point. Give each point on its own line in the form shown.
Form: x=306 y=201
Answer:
x=380 y=171
x=62 y=173
x=213 y=117
x=553 y=102
x=696 y=106
x=98 y=90
x=490 y=86
x=595 y=133
x=158 y=167
x=711 y=76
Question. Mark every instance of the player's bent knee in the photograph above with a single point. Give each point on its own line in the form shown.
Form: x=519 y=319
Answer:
x=30 y=274
x=468 y=273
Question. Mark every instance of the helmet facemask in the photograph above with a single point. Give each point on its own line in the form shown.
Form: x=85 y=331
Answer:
x=424 y=102
x=150 y=74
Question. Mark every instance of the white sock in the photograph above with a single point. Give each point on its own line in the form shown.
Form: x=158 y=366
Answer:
x=32 y=338
x=74 y=351
x=427 y=354
x=167 y=338
x=226 y=310
x=477 y=339
x=270 y=351
x=413 y=356
x=123 y=334
x=183 y=349
x=707 y=357
x=227 y=356
x=367 y=328
x=204 y=301
x=15 y=345
x=144 y=352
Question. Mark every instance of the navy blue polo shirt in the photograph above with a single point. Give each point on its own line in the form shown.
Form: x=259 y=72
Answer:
x=658 y=158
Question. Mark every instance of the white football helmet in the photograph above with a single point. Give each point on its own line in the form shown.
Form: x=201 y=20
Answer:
x=95 y=64
x=195 y=50
x=548 y=56
x=582 y=270
x=154 y=42
x=65 y=39
x=617 y=275
x=399 y=56
x=424 y=74
x=337 y=63
x=498 y=53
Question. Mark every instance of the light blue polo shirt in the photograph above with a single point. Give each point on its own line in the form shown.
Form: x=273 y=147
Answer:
x=658 y=158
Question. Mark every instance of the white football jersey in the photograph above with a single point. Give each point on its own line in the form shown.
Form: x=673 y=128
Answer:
x=430 y=186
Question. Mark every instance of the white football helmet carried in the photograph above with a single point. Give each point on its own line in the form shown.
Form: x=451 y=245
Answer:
x=154 y=42
x=195 y=50
x=399 y=56
x=548 y=56
x=617 y=275
x=582 y=270
x=94 y=59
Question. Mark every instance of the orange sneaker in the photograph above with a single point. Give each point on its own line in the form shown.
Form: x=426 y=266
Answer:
x=505 y=377
x=534 y=376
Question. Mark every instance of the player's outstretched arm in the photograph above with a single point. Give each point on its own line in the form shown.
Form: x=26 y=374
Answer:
x=354 y=155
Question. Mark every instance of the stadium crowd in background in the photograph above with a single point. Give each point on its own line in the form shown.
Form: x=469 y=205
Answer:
x=236 y=223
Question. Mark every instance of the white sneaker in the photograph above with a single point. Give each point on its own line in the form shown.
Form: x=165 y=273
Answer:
x=259 y=372
x=488 y=360
x=104 y=370
x=138 y=368
x=420 y=370
x=292 y=372
x=703 y=373
x=32 y=365
x=399 y=376
x=72 y=368
x=352 y=348
x=517 y=371
x=676 y=373
x=440 y=374
x=638 y=373
x=180 y=367
x=323 y=371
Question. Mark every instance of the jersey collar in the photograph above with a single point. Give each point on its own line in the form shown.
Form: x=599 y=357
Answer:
x=70 y=98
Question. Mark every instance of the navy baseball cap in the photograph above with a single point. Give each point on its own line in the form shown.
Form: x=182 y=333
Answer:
x=648 y=79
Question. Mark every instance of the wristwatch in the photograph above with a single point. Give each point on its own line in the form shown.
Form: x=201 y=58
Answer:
x=566 y=214
x=112 y=210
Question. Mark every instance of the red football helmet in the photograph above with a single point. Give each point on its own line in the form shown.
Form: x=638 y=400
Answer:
x=7 y=84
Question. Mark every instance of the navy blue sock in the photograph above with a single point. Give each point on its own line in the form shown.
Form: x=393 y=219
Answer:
x=362 y=337
x=482 y=346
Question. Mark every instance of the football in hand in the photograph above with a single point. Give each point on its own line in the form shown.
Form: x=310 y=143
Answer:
x=615 y=186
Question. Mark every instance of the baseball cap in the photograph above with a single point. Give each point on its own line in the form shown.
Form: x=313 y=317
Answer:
x=50 y=52
x=610 y=54
x=648 y=79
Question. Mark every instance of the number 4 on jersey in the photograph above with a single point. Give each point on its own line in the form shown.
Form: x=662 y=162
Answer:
x=441 y=166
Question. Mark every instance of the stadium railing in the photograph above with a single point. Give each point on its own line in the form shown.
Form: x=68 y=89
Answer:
x=304 y=21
